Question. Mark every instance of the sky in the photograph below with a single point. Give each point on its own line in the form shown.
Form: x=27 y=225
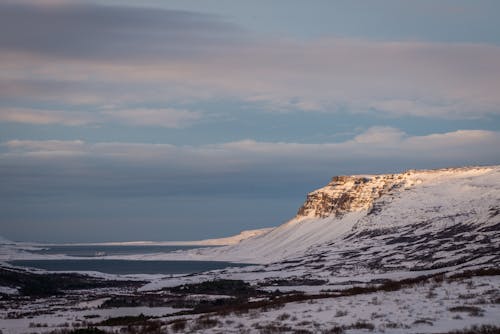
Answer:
x=192 y=119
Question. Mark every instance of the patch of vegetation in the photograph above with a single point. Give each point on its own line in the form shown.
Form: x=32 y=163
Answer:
x=40 y=285
x=273 y=328
x=340 y=313
x=484 y=329
x=91 y=316
x=122 y=301
x=38 y=325
x=478 y=272
x=205 y=322
x=334 y=330
x=473 y=311
x=283 y=317
x=140 y=319
x=178 y=325
x=393 y=325
x=218 y=287
x=152 y=327
x=148 y=300
x=296 y=282
x=423 y=321
x=361 y=325
x=89 y=330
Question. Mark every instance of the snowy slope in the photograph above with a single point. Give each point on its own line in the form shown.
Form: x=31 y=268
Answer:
x=10 y=250
x=384 y=226
x=231 y=240
x=435 y=219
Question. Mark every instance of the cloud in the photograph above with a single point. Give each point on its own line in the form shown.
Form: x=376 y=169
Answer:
x=379 y=145
x=380 y=135
x=37 y=116
x=45 y=148
x=167 y=117
x=92 y=55
x=82 y=30
x=398 y=79
x=44 y=145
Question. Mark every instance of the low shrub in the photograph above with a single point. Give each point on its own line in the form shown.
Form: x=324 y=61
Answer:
x=484 y=329
x=218 y=287
x=473 y=311
x=361 y=325
x=179 y=325
x=205 y=322
x=333 y=330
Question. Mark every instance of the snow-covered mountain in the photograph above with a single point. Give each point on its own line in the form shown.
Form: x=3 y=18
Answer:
x=420 y=220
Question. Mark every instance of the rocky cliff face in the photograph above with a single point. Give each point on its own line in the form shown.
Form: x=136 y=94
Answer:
x=348 y=193
x=360 y=192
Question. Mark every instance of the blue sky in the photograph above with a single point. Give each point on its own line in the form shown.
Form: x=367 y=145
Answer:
x=177 y=120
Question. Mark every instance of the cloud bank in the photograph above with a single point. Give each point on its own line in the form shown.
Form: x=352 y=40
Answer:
x=380 y=147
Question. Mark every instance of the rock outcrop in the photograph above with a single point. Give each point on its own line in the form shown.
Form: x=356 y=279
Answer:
x=344 y=194
x=347 y=194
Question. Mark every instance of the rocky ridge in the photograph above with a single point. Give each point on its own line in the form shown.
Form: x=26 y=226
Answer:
x=347 y=194
x=350 y=193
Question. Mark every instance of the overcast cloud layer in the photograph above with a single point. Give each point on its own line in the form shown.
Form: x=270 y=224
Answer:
x=160 y=116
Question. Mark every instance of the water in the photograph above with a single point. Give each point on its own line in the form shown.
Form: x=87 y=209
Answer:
x=94 y=262
x=101 y=250
x=126 y=266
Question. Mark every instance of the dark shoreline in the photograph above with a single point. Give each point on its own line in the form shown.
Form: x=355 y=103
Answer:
x=124 y=267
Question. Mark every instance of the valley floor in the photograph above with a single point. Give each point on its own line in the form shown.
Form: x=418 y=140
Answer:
x=437 y=304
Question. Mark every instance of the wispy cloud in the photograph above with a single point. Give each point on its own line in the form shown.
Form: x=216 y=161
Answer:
x=167 y=117
x=374 y=145
x=37 y=116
